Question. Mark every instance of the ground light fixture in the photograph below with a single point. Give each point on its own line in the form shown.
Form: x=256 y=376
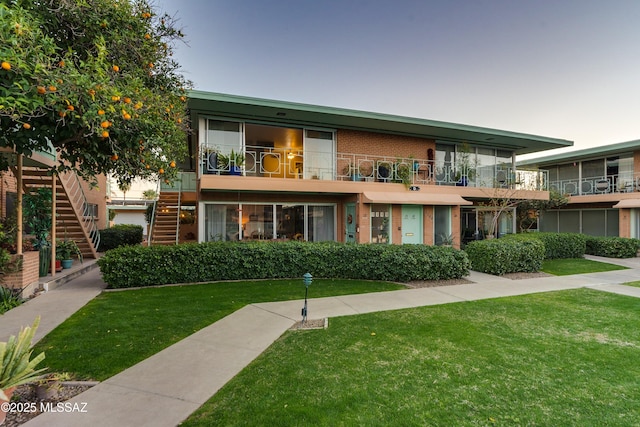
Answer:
x=307 y=278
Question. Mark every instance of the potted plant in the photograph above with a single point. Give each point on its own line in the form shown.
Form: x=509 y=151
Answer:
x=231 y=164
x=210 y=159
x=446 y=239
x=384 y=171
x=66 y=250
x=366 y=169
x=404 y=173
x=17 y=367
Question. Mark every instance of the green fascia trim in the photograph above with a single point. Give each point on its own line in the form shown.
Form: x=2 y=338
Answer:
x=600 y=151
x=291 y=113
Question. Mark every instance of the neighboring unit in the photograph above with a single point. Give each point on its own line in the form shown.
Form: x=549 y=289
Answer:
x=603 y=184
x=273 y=170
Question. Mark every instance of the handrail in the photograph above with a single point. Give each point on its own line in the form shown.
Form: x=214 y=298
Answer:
x=270 y=162
x=178 y=210
x=78 y=199
x=153 y=215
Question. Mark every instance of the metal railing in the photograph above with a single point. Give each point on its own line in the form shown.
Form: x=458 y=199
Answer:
x=603 y=184
x=298 y=164
x=78 y=199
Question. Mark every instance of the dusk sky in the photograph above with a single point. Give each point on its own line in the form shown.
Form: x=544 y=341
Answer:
x=566 y=69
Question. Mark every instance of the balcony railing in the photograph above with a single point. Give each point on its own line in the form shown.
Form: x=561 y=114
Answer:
x=297 y=164
x=618 y=183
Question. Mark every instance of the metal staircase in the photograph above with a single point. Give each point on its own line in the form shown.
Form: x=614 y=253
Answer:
x=73 y=222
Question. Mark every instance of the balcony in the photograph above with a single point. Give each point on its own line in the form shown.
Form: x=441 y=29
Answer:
x=269 y=162
x=609 y=184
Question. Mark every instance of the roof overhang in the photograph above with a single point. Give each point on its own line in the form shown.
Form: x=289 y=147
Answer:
x=593 y=152
x=295 y=114
x=414 y=198
x=627 y=204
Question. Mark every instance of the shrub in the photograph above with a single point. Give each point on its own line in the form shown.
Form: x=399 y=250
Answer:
x=201 y=262
x=558 y=245
x=120 y=235
x=501 y=256
x=612 y=247
x=9 y=299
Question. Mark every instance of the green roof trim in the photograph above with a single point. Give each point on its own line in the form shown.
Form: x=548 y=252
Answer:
x=292 y=113
x=599 y=151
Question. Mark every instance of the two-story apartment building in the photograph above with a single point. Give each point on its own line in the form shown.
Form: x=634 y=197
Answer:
x=265 y=169
x=603 y=184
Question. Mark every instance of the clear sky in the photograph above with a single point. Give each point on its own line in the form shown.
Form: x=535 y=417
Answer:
x=558 y=68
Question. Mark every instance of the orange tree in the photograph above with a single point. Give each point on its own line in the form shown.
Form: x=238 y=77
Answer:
x=96 y=80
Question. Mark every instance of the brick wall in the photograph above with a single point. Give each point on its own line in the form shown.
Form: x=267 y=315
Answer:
x=378 y=144
x=7 y=185
x=29 y=273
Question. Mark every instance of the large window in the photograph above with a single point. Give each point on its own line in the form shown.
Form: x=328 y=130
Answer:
x=319 y=155
x=441 y=224
x=249 y=221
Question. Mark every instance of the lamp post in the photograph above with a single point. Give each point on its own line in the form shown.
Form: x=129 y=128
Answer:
x=307 y=278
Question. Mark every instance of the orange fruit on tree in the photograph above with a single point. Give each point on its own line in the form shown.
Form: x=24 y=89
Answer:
x=5 y=65
x=26 y=126
x=127 y=100
x=101 y=112
x=115 y=68
x=61 y=63
x=92 y=92
x=137 y=105
x=148 y=167
x=105 y=124
x=160 y=171
x=105 y=134
x=52 y=88
x=114 y=157
x=70 y=107
x=62 y=113
x=41 y=90
x=147 y=36
x=126 y=116
x=115 y=98
x=172 y=164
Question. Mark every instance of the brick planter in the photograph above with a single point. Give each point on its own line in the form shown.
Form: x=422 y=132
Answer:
x=28 y=274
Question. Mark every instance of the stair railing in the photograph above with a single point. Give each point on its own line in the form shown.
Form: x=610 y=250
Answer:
x=78 y=200
x=179 y=208
x=153 y=215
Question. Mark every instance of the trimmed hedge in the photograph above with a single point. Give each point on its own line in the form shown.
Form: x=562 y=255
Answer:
x=134 y=266
x=502 y=256
x=120 y=235
x=612 y=247
x=557 y=245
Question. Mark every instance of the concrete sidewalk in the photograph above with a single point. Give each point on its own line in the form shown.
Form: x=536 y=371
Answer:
x=166 y=388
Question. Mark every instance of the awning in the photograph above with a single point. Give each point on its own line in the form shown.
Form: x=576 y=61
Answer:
x=414 y=198
x=627 y=203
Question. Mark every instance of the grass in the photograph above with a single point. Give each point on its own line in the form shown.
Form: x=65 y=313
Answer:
x=567 y=266
x=119 y=329
x=636 y=284
x=563 y=358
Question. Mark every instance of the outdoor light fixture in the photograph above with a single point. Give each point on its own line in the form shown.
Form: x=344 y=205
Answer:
x=290 y=156
x=307 y=278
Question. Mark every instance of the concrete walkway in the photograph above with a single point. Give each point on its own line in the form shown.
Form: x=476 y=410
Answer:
x=166 y=388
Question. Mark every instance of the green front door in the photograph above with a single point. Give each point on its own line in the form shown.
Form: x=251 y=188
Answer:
x=350 y=223
x=412 y=224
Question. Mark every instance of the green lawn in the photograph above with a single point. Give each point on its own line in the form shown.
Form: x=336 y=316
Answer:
x=119 y=329
x=565 y=358
x=566 y=266
x=636 y=284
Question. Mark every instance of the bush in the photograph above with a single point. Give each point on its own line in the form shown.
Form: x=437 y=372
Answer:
x=558 y=245
x=120 y=235
x=202 y=262
x=502 y=256
x=612 y=247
